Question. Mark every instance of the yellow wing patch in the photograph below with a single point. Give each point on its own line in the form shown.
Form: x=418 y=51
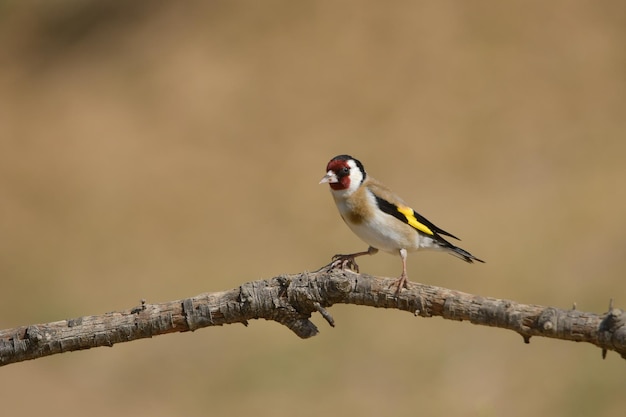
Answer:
x=410 y=217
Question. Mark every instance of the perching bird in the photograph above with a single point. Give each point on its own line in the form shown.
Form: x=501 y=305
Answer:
x=380 y=218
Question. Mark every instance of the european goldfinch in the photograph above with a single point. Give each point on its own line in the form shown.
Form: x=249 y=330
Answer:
x=380 y=218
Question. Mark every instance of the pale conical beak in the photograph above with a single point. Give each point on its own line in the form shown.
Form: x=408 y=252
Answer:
x=330 y=177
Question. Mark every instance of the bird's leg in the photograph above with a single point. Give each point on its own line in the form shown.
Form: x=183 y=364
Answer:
x=347 y=261
x=402 y=280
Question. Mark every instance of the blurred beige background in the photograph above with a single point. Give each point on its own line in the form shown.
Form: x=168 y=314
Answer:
x=158 y=150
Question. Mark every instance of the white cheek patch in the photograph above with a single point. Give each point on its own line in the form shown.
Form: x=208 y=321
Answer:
x=356 y=177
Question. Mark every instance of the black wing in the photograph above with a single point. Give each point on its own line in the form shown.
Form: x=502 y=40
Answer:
x=411 y=217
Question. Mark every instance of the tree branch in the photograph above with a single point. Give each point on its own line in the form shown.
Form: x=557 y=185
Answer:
x=291 y=299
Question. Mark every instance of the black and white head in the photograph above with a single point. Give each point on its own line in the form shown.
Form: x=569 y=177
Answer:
x=344 y=173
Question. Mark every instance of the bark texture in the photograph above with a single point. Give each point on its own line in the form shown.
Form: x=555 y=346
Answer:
x=292 y=299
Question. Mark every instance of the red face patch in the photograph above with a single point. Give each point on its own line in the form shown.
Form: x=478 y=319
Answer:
x=342 y=171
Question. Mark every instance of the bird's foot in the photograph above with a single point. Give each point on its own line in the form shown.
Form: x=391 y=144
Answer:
x=343 y=262
x=400 y=283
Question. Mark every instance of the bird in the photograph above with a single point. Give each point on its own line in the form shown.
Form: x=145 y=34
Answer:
x=382 y=219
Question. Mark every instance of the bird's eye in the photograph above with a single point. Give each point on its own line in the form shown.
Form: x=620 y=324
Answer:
x=344 y=171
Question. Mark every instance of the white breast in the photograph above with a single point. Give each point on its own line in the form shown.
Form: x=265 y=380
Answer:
x=381 y=230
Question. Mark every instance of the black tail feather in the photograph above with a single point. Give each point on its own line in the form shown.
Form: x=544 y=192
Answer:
x=463 y=254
